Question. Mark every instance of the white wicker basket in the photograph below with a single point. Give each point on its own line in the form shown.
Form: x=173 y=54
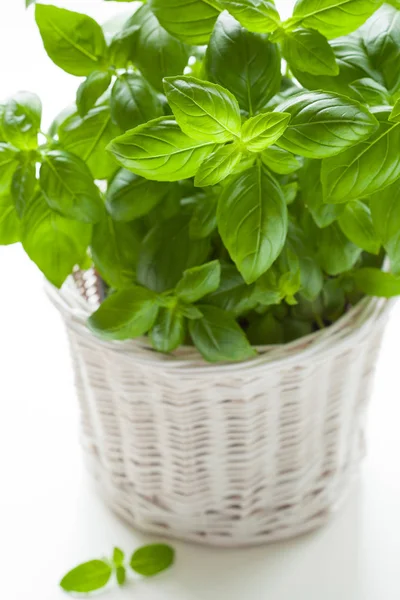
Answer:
x=231 y=454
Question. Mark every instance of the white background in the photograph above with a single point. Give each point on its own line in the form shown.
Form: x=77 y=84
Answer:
x=51 y=519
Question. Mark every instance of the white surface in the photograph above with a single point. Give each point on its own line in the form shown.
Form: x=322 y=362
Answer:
x=50 y=517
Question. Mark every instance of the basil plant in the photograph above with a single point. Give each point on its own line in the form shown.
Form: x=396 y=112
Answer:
x=234 y=179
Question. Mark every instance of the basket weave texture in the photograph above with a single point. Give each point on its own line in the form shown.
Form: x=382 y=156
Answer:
x=226 y=454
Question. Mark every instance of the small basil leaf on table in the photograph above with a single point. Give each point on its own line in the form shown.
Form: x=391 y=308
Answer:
x=385 y=211
x=255 y=15
x=217 y=336
x=88 y=138
x=88 y=577
x=157 y=53
x=395 y=114
x=167 y=251
x=125 y=314
x=334 y=18
x=90 y=91
x=336 y=254
x=121 y=575
x=161 y=151
x=367 y=167
x=280 y=161
x=133 y=101
x=252 y=221
x=23 y=186
x=199 y=281
x=254 y=73
x=263 y=130
x=73 y=41
x=203 y=110
x=21 y=120
x=219 y=165
x=356 y=223
x=115 y=249
x=308 y=50
x=324 y=124
x=54 y=243
x=8 y=165
x=130 y=196
x=381 y=38
x=10 y=225
x=152 y=559
x=190 y=22
x=118 y=556
x=68 y=187
x=375 y=282
x=168 y=331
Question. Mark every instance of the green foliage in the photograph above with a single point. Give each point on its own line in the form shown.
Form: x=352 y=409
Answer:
x=96 y=574
x=235 y=206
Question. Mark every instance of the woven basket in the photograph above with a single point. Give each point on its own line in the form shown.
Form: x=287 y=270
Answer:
x=226 y=454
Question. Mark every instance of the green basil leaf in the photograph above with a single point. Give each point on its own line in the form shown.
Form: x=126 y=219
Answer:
x=87 y=577
x=130 y=196
x=122 y=48
x=204 y=111
x=324 y=124
x=336 y=253
x=290 y=191
x=218 y=337
x=160 y=150
x=21 y=120
x=192 y=22
x=167 y=251
x=73 y=41
x=381 y=37
x=190 y=312
x=370 y=92
x=168 y=331
x=356 y=223
x=259 y=16
x=334 y=17
x=115 y=250
x=280 y=161
x=266 y=330
x=152 y=559
x=309 y=51
x=90 y=91
x=88 y=139
x=125 y=314
x=233 y=294
x=157 y=53
x=10 y=226
x=121 y=575
x=204 y=218
x=218 y=165
x=376 y=283
x=54 y=243
x=23 y=186
x=311 y=191
x=395 y=114
x=8 y=165
x=118 y=557
x=263 y=130
x=353 y=62
x=365 y=168
x=252 y=221
x=133 y=102
x=254 y=73
x=385 y=211
x=68 y=187
x=197 y=282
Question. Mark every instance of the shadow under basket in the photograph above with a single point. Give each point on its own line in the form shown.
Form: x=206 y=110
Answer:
x=224 y=454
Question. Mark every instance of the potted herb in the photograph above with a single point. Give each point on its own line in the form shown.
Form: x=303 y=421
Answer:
x=213 y=209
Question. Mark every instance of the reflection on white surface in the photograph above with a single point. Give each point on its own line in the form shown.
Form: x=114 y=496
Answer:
x=50 y=518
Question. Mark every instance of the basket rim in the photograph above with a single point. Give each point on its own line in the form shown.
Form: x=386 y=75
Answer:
x=349 y=329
